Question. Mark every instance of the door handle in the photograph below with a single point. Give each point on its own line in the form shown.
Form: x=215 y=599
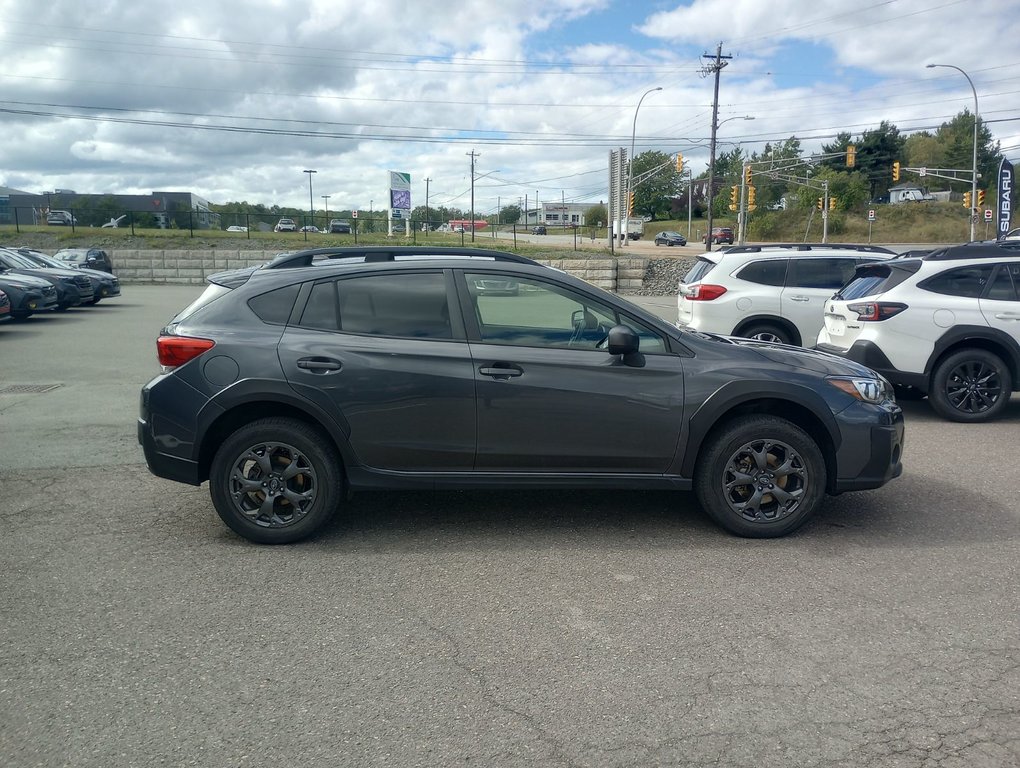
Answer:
x=318 y=364
x=501 y=372
x=1007 y=316
x=800 y=298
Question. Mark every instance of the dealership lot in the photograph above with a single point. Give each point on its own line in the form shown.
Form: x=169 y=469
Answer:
x=496 y=628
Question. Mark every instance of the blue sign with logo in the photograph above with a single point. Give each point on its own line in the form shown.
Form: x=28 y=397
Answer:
x=1006 y=189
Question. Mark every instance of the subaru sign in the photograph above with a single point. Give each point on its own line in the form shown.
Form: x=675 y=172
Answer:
x=1005 y=197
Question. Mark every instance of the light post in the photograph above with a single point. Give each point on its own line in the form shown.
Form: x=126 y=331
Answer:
x=973 y=182
x=325 y=204
x=311 y=205
x=630 y=163
x=711 y=168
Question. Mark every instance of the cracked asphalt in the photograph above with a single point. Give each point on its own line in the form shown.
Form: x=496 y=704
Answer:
x=581 y=629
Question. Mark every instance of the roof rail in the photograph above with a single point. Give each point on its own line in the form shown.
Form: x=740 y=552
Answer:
x=377 y=253
x=979 y=249
x=806 y=247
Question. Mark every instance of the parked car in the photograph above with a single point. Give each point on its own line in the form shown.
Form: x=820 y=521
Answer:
x=73 y=287
x=770 y=292
x=5 y=307
x=88 y=258
x=61 y=218
x=310 y=228
x=336 y=369
x=27 y=294
x=236 y=228
x=946 y=324
x=1013 y=234
x=539 y=230
x=720 y=235
x=104 y=285
x=285 y=225
x=339 y=227
x=670 y=238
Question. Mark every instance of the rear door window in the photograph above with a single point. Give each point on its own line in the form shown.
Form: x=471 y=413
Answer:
x=765 y=272
x=830 y=274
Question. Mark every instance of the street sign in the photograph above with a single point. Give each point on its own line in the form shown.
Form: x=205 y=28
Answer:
x=871 y=214
x=974 y=218
x=922 y=171
x=396 y=214
x=354 y=214
x=988 y=214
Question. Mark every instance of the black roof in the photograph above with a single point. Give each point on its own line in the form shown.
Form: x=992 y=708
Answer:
x=377 y=253
x=985 y=249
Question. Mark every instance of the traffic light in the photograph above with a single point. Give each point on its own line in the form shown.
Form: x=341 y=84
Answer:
x=832 y=203
x=679 y=163
x=734 y=196
x=966 y=200
x=747 y=174
x=630 y=204
x=750 y=195
x=981 y=198
x=896 y=171
x=819 y=204
x=851 y=156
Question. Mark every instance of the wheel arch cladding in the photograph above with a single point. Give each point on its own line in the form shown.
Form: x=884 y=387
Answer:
x=992 y=340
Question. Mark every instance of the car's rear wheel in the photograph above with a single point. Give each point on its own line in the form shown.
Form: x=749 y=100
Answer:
x=276 y=481
x=760 y=476
x=767 y=332
x=971 y=385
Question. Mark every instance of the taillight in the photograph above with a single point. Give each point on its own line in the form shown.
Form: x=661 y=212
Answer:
x=876 y=311
x=705 y=292
x=177 y=350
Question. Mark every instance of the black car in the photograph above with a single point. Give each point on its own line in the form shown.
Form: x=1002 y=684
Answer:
x=104 y=284
x=73 y=287
x=339 y=227
x=670 y=238
x=5 y=307
x=27 y=294
x=330 y=370
x=90 y=258
x=539 y=230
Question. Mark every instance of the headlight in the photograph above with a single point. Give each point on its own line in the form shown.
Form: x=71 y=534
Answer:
x=869 y=390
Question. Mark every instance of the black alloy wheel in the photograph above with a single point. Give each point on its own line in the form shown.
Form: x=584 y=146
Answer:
x=767 y=332
x=970 y=386
x=760 y=477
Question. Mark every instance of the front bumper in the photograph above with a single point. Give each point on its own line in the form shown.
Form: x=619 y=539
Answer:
x=870 y=454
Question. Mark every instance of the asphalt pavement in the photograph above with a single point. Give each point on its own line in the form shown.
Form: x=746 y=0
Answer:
x=580 y=628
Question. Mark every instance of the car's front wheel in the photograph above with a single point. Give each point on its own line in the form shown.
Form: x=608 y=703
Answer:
x=971 y=385
x=276 y=481
x=760 y=476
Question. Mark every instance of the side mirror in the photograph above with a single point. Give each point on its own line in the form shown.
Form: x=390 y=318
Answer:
x=622 y=341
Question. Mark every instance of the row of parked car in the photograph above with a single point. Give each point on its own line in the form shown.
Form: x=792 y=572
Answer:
x=32 y=281
x=943 y=323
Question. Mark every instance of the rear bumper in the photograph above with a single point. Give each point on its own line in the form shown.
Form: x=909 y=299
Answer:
x=869 y=354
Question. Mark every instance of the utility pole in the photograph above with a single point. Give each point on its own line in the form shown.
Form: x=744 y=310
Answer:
x=427 y=217
x=718 y=62
x=472 y=154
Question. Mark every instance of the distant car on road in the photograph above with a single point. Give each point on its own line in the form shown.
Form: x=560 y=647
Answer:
x=539 y=230
x=670 y=238
x=339 y=227
x=309 y=228
x=237 y=228
x=720 y=235
x=285 y=225
x=61 y=218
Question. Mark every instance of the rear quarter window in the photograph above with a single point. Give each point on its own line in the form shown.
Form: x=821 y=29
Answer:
x=966 y=282
x=701 y=268
x=274 y=306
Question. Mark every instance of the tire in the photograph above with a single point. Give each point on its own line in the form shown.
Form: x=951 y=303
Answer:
x=767 y=332
x=760 y=512
x=970 y=386
x=259 y=456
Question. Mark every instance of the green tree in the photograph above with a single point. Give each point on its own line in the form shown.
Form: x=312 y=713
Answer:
x=660 y=184
x=876 y=152
x=596 y=213
x=510 y=214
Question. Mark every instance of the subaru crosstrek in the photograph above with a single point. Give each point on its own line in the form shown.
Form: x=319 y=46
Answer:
x=330 y=370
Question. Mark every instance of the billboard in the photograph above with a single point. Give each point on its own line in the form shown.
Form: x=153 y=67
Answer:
x=400 y=192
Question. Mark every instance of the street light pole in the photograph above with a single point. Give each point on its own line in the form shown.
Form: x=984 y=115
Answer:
x=325 y=203
x=630 y=164
x=311 y=205
x=973 y=183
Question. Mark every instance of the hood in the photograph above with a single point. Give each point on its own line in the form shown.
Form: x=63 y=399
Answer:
x=23 y=281
x=808 y=359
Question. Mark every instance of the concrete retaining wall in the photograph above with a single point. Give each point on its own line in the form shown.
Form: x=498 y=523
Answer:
x=194 y=266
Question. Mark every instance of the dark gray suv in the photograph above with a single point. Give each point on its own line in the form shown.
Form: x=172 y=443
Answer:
x=387 y=367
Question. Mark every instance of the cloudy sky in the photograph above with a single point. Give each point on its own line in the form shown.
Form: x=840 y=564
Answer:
x=234 y=99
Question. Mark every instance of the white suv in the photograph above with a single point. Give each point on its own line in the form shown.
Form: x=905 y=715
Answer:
x=768 y=292
x=946 y=324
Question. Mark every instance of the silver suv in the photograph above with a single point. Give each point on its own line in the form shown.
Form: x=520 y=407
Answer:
x=768 y=292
